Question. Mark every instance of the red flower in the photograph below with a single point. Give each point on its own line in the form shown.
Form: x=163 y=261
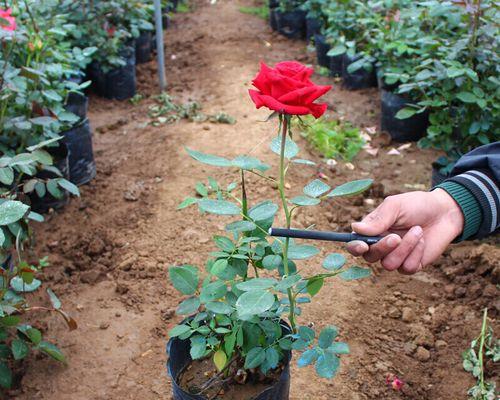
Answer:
x=287 y=89
x=9 y=23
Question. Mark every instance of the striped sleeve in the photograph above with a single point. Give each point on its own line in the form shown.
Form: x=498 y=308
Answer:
x=478 y=195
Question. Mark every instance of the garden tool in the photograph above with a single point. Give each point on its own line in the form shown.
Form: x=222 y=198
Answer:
x=320 y=235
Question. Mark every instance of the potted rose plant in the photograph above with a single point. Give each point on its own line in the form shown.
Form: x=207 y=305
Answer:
x=242 y=314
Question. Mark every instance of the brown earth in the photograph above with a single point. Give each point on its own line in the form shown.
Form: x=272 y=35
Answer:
x=110 y=249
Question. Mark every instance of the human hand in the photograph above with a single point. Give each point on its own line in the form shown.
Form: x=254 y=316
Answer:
x=419 y=227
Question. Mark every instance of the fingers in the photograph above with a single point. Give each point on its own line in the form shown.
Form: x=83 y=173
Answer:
x=398 y=256
x=357 y=248
x=382 y=248
x=413 y=262
x=380 y=219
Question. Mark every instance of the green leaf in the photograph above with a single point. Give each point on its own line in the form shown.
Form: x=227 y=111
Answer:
x=271 y=262
x=220 y=359
x=334 y=262
x=184 y=278
x=6 y=175
x=256 y=284
x=354 y=273
x=327 y=365
x=255 y=302
x=198 y=347
x=351 y=188
x=188 y=306
x=250 y=163
x=179 y=330
x=314 y=285
x=316 y=188
x=406 y=112
x=307 y=334
x=337 y=50
x=224 y=244
x=213 y=291
x=308 y=357
x=305 y=201
x=288 y=282
x=188 y=201
x=5 y=375
x=467 y=97
x=52 y=350
x=255 y=357
x=20 y=286
x=35 y=216
x=327 y=336
x=291 y=148
x=220 y=207
x=219 y=267
x=453 y=72
x=339 y=348
x=209 y=159
x=301 y=252
x=201 y=189
x=56 y=303
x=19 y=349
x=53 y=189
x=241 y=226
x=263 y=211
x=2 y=237
x=219 y=307
x=12 y=211
x=272 y=357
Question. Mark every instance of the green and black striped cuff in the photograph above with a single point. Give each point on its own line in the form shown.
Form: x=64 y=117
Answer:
x=469 y=205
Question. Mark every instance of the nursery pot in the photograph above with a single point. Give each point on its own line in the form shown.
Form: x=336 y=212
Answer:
x=179 y=359
x=77 y=103
x=143 y=47
x=359 y=79
x=322 y=47
x=274 y=3
x=78 y=140
x=273 y=18
x=119 y=83
x=313 y=27
x=292 y=24
x=44 y=204
x=401 y=130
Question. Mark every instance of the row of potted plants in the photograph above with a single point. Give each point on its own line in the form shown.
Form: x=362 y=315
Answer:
x=51 y=52
x=435 y=63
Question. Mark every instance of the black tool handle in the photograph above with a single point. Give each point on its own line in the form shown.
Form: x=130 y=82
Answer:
x=327 y=236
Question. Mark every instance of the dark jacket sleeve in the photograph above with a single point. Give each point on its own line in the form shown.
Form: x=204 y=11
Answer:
x=474 y=184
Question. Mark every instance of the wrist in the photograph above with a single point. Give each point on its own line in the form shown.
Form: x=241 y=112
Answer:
x=450 y=210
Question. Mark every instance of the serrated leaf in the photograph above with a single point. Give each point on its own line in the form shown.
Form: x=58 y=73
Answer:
x=188 y=306
x=334 y=262
x=291 y=148
x=198 y=347
x=406 y=112
x=219 y=267
x=249 y=163
x=467 y=97
x=327 y=336
x=56 y=303
x=184 y=278
x=327 y=365
x=19 y=349
x=354 y=273
x=52 y=350
x=351 y=188
x=179 y=330
x=213 y=291
x=339 y=348
x=220 y=207
x=314 y=285
x=70 y=187
x=308 y=357
x=209 y=159
x=254 y=302
x=218 y=307
x=5 y=375
x=263 y=211
x=316 y=188
x=6 y=175
x=20 y=286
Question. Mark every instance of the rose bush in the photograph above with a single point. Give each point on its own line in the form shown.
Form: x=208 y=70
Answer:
x=287 y=89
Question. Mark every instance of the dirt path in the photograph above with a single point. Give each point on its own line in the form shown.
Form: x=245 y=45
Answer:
x=110 y=250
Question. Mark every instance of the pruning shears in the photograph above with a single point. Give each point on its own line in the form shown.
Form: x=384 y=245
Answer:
x=321 y=235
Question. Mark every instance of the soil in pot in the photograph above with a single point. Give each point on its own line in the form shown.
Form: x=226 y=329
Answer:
x=313 y=27
x=187 y=376
x=119 y=83
x=292 y=24
x=82 y=168
x=143 y=48
x=360 y=79
x=43 y=204
x=401 y=130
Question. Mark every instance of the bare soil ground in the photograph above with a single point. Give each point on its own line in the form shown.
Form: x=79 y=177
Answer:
x=110 y=249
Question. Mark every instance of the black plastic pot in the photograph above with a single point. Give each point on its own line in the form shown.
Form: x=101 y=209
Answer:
x=313 y=27
x=273 y=19
x=360 y=79
x=322 y=48
x=61 y=162
x=292 y=24
x=78 y=140
x=274 y=3
x=77 y=103
x=119 y=83
x=143 y=48
x=401 y=130
x=165 y=20
x=179 y=359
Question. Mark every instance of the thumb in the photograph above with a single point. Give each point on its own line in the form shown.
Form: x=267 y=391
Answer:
x=379 y=220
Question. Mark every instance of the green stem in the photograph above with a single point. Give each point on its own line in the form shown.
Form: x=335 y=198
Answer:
x=481 y=348
x=284 y=127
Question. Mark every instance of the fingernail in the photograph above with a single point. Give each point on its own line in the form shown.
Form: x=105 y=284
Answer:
x=417 y=230
x=392 y=241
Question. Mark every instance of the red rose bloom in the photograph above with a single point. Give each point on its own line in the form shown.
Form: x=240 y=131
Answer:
x=9 y=23
x=287 y=89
